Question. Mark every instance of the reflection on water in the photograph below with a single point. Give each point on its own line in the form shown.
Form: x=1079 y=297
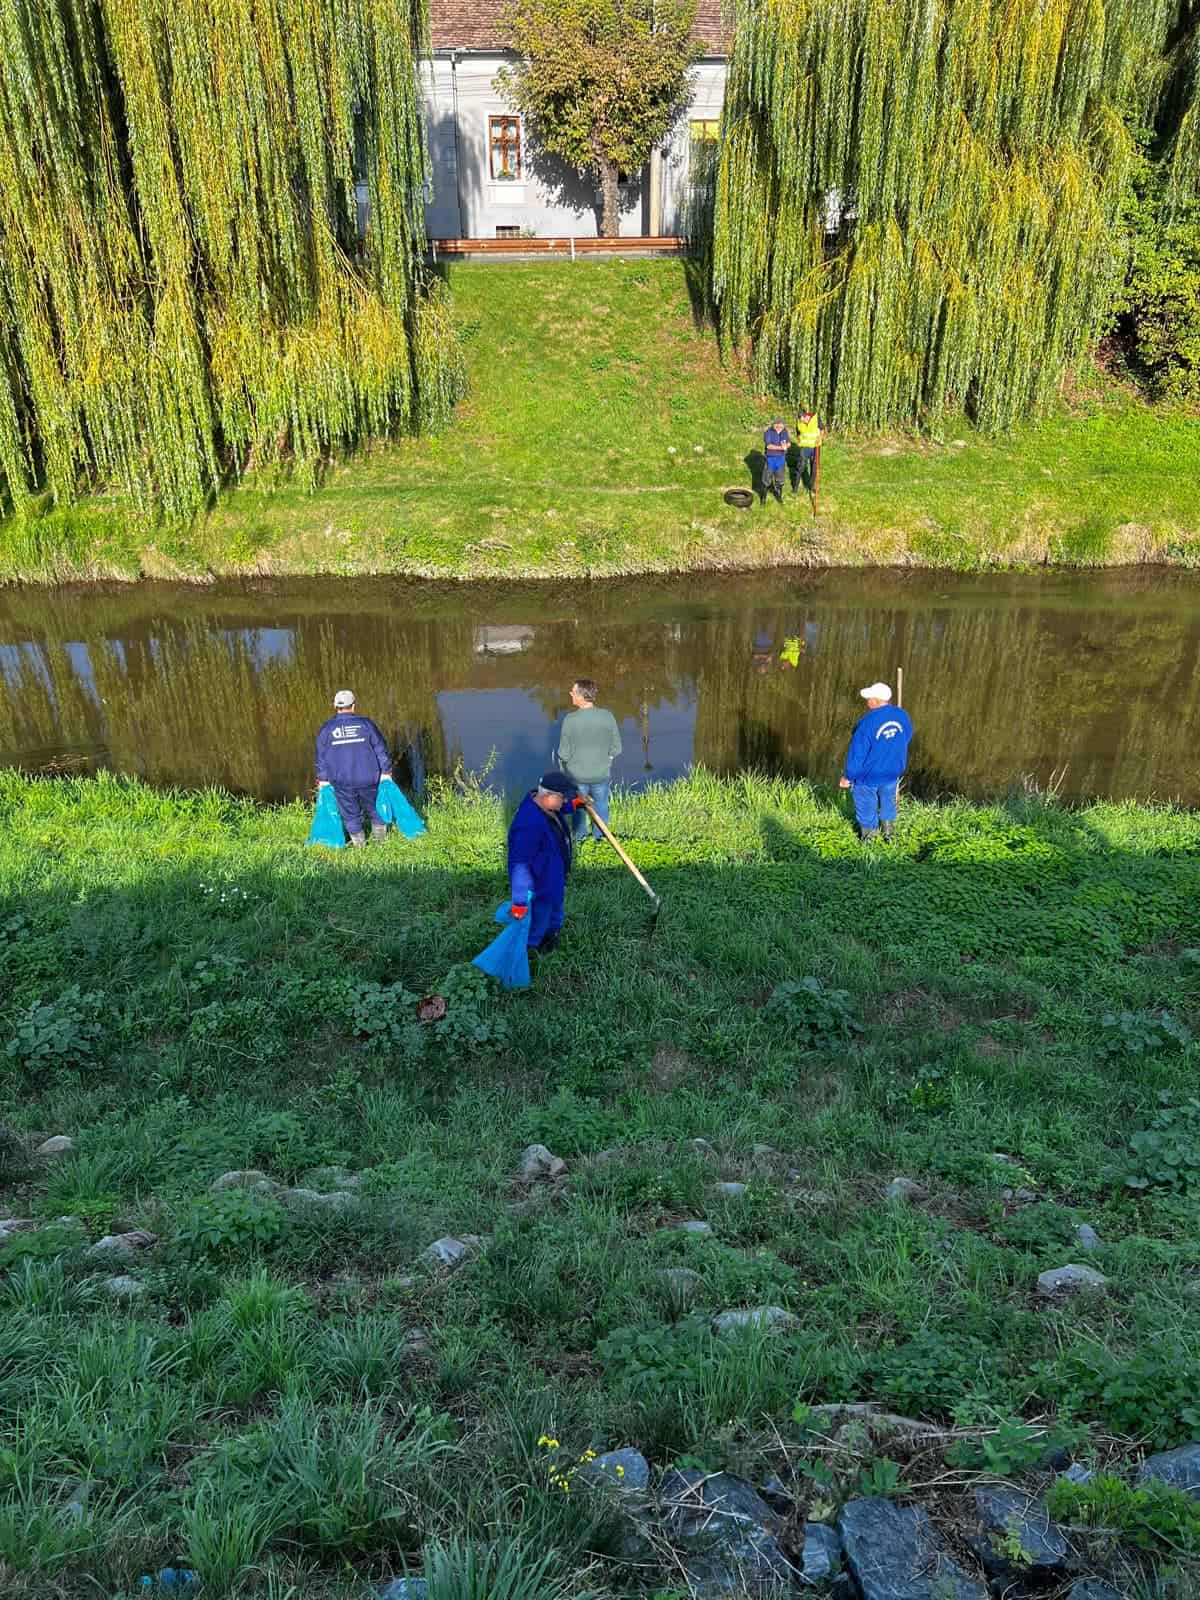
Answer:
x=1005 y=676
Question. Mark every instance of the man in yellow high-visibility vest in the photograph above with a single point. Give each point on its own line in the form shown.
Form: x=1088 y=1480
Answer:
x=809 y=434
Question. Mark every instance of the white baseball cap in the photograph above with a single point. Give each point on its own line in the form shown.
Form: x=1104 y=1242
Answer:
x=343 y=699
x=876 y=691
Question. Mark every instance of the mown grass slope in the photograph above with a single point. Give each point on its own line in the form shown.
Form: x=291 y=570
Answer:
x=295 y=1397
x=598 y=437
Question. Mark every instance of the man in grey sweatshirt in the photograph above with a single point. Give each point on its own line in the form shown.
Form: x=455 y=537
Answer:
x=588 y=745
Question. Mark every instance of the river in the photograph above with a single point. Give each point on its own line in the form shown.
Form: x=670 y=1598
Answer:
x=1085 y=681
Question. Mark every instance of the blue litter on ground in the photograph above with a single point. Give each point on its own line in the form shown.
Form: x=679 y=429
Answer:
x=326 y=828
x=393 y=807
x=507 y=957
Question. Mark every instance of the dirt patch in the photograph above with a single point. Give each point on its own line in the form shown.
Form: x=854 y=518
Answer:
x=669 y=1066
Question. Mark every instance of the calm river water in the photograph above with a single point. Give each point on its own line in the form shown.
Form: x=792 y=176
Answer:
x=1091 y=675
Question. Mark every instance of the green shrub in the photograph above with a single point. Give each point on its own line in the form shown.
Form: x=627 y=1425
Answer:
x=571 y=1124
x=1167 y=1151
x=60 y=1035
x=812 y=1016
x=1161 y=301
x=660 y=1357
x=234 y=1220
x=1153 y=1395
x=472 y=1021
x=1151 y=1516
x=1129 y=1034
x=385 y=1016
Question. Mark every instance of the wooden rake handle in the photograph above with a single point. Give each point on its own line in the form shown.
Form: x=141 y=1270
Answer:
x=592 y=812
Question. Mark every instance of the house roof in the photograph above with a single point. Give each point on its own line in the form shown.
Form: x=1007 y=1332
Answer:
x=473 y=25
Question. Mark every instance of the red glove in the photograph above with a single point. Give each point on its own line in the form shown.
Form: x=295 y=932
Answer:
x=517 y=911
x=579 y=800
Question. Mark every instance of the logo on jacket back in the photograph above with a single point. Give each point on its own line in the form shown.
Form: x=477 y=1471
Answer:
x=347 y=730
x=889 y=730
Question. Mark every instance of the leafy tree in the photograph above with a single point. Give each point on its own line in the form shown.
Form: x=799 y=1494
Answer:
x=1161 y=301
x=600 y=81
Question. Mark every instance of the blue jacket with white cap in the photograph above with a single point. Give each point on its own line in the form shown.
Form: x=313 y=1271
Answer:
x=878 y=750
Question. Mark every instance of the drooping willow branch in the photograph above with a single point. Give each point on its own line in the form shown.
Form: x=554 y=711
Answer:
x=917 y=204
x=183 y=288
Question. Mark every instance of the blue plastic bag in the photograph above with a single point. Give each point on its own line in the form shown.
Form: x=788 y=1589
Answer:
x=392 y=806
x=507 y=957
x=327 y=820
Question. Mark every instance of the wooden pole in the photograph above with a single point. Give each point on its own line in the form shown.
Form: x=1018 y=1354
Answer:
x=816 y=477
x=591 y=811
x=899 y=686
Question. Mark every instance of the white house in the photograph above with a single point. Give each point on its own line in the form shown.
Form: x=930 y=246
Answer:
x=491 y=181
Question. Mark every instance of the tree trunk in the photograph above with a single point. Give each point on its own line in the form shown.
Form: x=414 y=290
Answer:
x=610 y=219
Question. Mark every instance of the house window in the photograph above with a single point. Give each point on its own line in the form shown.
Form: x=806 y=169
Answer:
x=508 y=230
x=504 y=147
x=703 y=132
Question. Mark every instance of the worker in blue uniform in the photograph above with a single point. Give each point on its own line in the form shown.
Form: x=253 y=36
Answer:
x=539 y=856
x=352 y=756
x=876 y=758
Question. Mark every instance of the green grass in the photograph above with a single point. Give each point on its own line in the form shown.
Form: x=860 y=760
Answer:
x=186 y=990
x=584 y=379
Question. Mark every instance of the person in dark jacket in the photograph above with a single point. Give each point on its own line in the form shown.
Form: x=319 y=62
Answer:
x=539 y=856
x=352 y=756
x=876 y=758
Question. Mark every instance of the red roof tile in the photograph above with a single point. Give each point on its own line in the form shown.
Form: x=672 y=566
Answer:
x=471 y=25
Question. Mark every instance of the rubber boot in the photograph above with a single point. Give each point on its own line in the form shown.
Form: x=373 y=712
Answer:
x=378 y=831
x=888 y=829
x=870 y=835
x=358 y=840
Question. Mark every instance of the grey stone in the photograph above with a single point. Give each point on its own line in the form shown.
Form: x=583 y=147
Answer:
x=449 y=1252
x=537 y=1162
x=771 y=1319
x=404 y=1589
x=123 y=1287
x=777 y=1494
x=1179 y=1469
x=332 y=1178
x=906 y=1190
x=1009 y=1161
x=728 y=1530
x=338 y=1200
x=75 y=1508
x=1086 y=1237
x=1071 y=1279
x=250 y=1178
x=692 y=1226
x=61 y=1145
x=416 y=1342
x=822 y=1552
x=731 y=1191
x=702 y=1147
x=1091 y=1589
x=895 y=1553
x=627 y=1470
x=122 y=1244
x=1077 y=1473
x=1012 y=1514
x=1019 y=1197
x=681 y=1283
x=11 y=1225
x=763 y=1152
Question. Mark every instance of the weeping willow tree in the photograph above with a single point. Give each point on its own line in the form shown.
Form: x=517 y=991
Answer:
x=183 y=285
x=918 y=201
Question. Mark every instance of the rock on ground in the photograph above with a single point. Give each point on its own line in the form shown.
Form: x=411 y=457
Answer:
x=1071 y=1279
x=728 y=1531
x=331 y=1178
x=61 y=1145
x=1179 y=1469
x=730 y=1191
x=822 y=1552
x=1086 y=1237
x=681 y=1283
x=449 y=1252
x=123 y=1244
x=403 y=1589
x=1005 y=1513
x=693 y=1226
x=11 y=1225
x=250 y=1178
x=906 y=1190
x=772 y=1319
x=627 y=1470
x=1091 y=1589
x=896 y=1553
x=338 y=1200
x=123 y=1287
x=537 y=1162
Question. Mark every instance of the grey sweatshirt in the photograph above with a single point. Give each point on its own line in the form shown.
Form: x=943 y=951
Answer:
x=589 y=743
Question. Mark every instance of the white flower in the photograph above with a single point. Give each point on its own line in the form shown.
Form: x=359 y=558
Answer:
x=699 y=449
x=670 y=449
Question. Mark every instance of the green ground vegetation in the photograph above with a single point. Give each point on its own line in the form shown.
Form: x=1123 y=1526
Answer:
x=598 y=437
x=1004 y=1001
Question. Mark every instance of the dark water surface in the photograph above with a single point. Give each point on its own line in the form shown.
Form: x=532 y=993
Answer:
x=1005 y=676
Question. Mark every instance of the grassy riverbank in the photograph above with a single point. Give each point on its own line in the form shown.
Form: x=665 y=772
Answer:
x=598 y=437
x=292 y=1391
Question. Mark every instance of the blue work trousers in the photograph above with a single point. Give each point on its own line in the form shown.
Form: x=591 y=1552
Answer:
x=874 y=803
x=599 y=793
x=545 y=916
x=355 y=798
